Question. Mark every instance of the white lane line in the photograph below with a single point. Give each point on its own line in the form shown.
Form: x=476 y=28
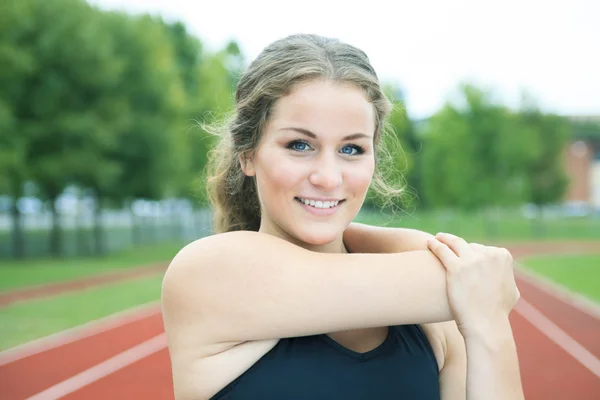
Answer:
x=558 y=336
x=547 y=286
x=79 y=332
x=103 y=369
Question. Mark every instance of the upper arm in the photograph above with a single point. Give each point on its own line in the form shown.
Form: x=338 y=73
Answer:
x=453 y=375
x=245 y=286
x=250 y=286
x=362 y=238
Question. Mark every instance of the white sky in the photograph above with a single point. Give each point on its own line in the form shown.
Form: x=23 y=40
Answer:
x=549 y=47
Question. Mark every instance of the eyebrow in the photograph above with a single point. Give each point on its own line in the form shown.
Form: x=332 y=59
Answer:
x=308 y=133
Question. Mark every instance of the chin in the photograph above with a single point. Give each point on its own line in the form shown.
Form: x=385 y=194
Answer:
x=323 y=237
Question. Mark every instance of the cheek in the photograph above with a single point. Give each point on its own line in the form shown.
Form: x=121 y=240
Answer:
x=280 y=173
x=359 y=176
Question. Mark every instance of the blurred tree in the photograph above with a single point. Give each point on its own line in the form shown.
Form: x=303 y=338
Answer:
x=188 y=54
x=18 y=64
x=473 y=156
x=546 y=135
x=74 y=99
x=214 y=105
x=446 y=175
x=94 y=99
x=150 y=149
x=209 y=81
x=104 y=100
x=410 y=148
x=59 y=61
x=397 y=162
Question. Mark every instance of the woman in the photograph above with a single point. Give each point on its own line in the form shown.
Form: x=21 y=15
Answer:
x=274 y=307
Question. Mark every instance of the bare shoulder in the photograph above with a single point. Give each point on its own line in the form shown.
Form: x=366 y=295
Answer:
x=222 y=248
x=194 y=262
x=187 y=301
x=209 y=247
x=187 y=270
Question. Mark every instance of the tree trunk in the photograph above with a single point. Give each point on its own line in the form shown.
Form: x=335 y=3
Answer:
x=55 y=231
x=98 y=229
x=17 y=235
x=136 y=234
x=83 y=248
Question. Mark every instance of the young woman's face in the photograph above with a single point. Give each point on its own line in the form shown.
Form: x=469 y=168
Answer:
x=314 y=163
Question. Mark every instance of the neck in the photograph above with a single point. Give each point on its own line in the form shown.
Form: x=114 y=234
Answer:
x=336 y=246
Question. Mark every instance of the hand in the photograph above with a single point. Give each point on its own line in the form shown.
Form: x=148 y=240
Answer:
x=480 y=283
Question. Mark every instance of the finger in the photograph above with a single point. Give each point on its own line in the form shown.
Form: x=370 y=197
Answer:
x=457 y=244
x=444 y=254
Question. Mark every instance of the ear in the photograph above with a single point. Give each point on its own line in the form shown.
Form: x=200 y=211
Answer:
x=247 y=165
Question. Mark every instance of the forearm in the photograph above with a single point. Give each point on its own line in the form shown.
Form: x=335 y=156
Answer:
x=361 y=238
x=493 y=366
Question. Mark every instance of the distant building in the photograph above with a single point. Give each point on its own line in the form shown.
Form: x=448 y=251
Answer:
x=582 y=162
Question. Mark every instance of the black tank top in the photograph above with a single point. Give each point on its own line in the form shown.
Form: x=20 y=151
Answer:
x=318 y=368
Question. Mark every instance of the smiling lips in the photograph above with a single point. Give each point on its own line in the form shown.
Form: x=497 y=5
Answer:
x=319 y=207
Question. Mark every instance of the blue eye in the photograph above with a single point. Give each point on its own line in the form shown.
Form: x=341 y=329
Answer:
x=298 y=145
x=303 y=146
x=352 y=150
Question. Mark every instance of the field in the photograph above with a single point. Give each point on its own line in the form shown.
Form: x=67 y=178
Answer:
x=491 y=227
x=15 y=274
x=577 y=273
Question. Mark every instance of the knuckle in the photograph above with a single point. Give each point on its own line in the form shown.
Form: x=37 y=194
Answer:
x=451 y=239
x=438 y=245
x=458 y=242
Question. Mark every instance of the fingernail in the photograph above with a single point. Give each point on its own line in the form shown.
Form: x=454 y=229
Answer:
x=439 y=234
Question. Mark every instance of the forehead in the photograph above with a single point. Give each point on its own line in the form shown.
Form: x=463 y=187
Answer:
x=325 y=108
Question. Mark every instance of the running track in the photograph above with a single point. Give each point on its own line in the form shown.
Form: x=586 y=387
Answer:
x=125 y=357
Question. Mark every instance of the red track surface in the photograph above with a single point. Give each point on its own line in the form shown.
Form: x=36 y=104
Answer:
x=549 y=371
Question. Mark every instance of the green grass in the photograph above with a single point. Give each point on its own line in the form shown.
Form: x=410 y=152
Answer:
x=502 y=226
x=16 y=274
x=577 y=273
x=23 y=322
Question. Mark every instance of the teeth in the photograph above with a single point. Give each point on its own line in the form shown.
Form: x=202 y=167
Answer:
x=319 y=204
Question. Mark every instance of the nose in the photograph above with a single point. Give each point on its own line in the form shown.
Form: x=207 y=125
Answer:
x=327 y=173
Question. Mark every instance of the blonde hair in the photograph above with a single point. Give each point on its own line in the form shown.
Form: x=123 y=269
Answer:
x=280 y=66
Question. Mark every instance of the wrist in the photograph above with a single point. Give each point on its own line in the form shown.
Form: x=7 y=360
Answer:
x=491 y=330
